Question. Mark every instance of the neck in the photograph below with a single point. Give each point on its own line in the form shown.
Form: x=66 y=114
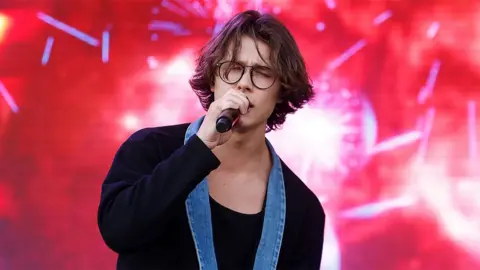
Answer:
x=247 y=148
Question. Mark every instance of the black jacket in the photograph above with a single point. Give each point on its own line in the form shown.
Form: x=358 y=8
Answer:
x=142 y=213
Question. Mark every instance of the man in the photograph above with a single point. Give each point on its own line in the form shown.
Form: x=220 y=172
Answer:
x=188 y=197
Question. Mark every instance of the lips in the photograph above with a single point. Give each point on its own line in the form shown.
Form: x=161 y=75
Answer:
x=250 y=105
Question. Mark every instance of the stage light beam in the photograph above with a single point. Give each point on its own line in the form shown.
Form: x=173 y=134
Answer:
x=173 y=8
x=47 y=51
x=382 y=17
x=427 y=128
x=105 y=46
x=8 y=98
x=347 y=54
x=68 y=29
x=427 y=89
x=396 y=142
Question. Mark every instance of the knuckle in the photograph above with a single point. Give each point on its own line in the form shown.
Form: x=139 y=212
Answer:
x=216 y=105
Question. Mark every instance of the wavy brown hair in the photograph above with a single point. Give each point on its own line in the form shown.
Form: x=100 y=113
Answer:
x=296 y=89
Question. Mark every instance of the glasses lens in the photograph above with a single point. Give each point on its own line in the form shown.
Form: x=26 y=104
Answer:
x=262 y=77
x=230 y=72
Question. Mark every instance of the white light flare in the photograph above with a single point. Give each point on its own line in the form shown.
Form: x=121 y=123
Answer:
x=180 y=66
x=313 y=130
x=330 y=4
x=453 y=200
x=169 y=95
x=174 y=102
x=130 y=122
x=433 y=30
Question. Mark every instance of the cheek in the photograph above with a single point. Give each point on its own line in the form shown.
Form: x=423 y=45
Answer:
x=267 y=103
x=219 y=88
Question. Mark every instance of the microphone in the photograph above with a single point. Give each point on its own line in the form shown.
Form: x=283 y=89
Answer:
x=227 y=119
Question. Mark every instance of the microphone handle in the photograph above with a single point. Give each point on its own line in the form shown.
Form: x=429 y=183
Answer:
x=227 y=119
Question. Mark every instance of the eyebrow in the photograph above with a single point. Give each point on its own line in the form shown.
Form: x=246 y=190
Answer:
x=257 y=65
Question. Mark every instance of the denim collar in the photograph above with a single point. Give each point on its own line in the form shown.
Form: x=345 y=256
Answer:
x=200 y=221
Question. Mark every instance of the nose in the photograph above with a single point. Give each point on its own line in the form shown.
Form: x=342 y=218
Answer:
x=245 y=84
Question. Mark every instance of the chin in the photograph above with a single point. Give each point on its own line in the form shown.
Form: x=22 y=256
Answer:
x=245 y=124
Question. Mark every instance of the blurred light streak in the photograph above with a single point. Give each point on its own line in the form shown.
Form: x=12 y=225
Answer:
x=182 y=32
x=427 y=89
x=8 y=98
x=199 y=9
x=217 y=28
x=427 y=128
x=370 y=125
x=433 y=30
x=47 y=51
x=195 y=8
x=330 y=4
x=155 y=10
x=396 y=141
x=375 y=209
x=173 y=8
x=382 y=17
x=68 y=29
x=347 y=54
x=105 y=46
x=4 y=25
x=166 y=26
x=472 y=130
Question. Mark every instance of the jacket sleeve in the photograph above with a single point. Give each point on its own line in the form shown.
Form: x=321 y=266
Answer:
x=142 y=188
x=309 y=252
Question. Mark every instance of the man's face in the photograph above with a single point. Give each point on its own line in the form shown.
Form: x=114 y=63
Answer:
x=263 y=101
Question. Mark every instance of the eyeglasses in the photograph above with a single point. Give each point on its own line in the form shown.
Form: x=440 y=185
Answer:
x=232 y=72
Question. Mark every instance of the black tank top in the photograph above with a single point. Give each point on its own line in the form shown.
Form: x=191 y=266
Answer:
x=235 y=236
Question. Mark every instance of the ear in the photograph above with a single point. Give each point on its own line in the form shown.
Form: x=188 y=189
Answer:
x=212 y=87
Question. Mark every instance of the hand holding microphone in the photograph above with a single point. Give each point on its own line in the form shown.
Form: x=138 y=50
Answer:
x=223 y=113
x=227 y=119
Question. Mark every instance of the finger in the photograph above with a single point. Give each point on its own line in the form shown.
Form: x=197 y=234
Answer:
x=230 y=103
x=242 y=99
x=225 y=102
x=243 y=103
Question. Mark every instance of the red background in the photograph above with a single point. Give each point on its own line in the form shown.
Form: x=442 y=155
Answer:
x=75 y=110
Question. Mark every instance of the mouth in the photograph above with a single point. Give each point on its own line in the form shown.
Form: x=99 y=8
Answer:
x=250 y=105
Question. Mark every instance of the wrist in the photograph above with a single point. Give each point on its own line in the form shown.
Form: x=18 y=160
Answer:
x=208 y=144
